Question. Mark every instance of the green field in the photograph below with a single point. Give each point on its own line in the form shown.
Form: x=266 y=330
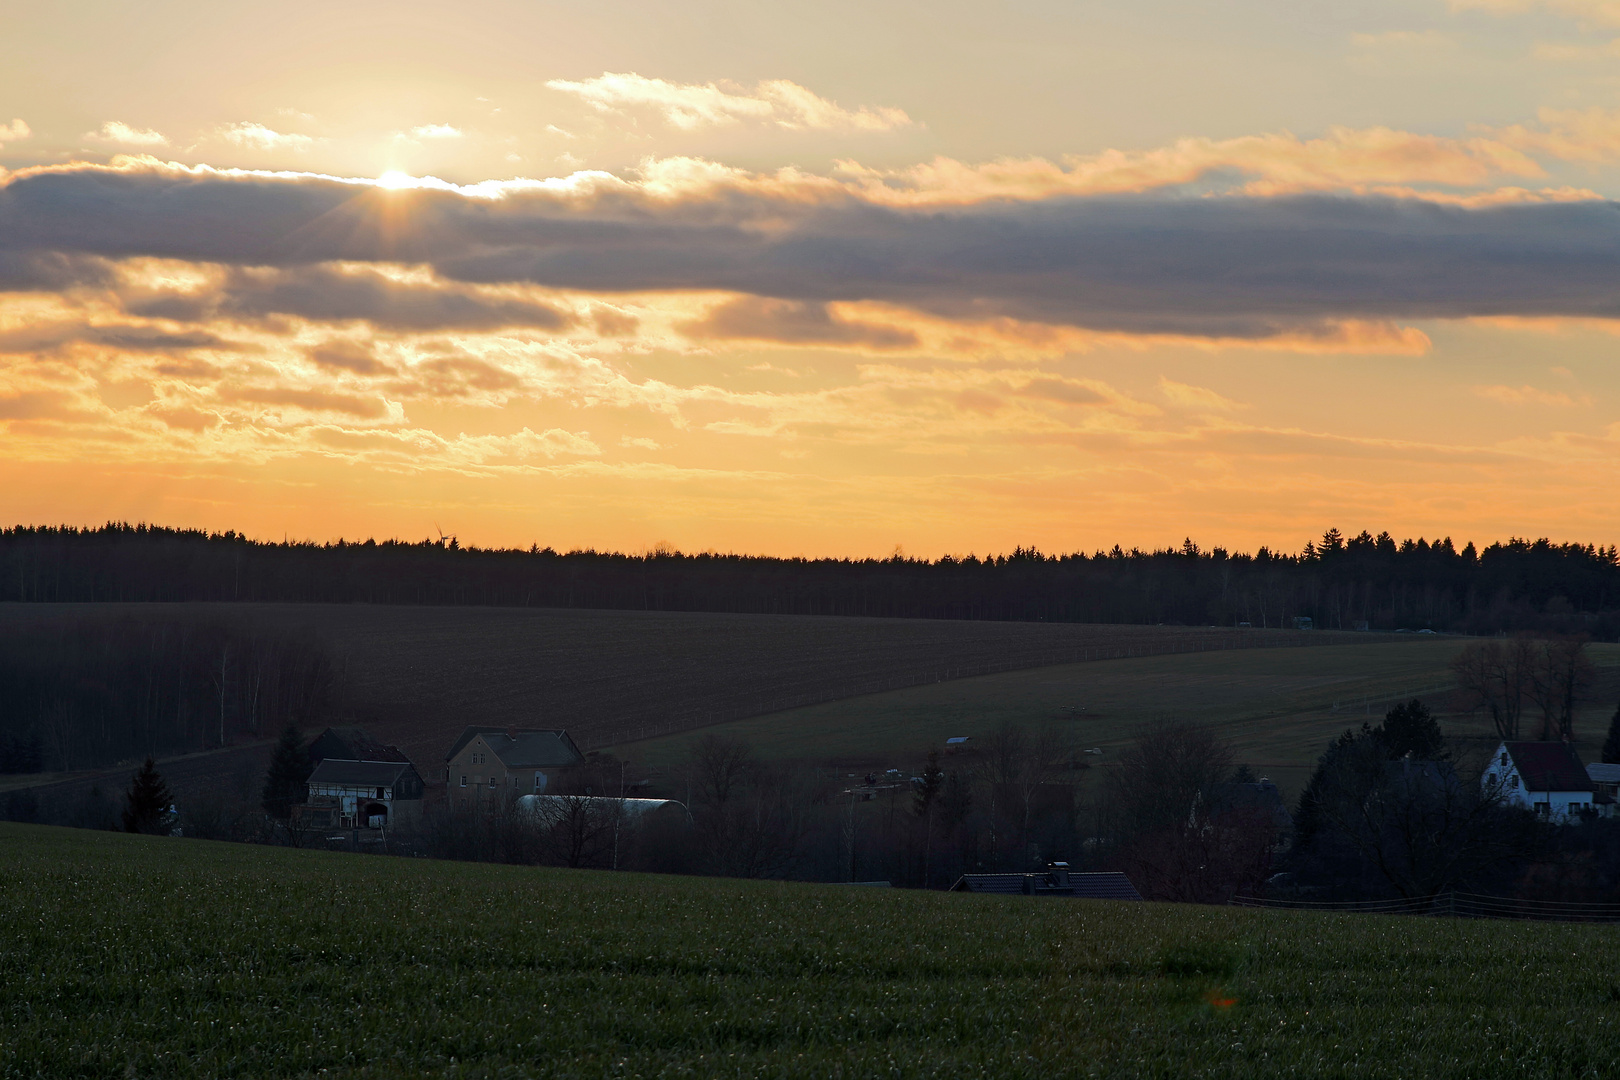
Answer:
x=135 y=956
x=1278 y=707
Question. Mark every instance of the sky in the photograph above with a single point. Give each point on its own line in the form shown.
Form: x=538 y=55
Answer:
x=833 y=279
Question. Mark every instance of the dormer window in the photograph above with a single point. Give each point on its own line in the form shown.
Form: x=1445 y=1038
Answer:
x=1504 y=759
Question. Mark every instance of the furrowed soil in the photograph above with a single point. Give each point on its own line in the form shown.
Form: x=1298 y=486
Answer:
x=416 y=676
x=1277 y=707
x=144 y=956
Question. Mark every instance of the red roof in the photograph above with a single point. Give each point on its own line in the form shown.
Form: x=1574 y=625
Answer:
x=1549 y=766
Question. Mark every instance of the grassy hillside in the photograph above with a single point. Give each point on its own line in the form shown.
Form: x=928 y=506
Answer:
x=135 y=956
x=418 y=675
x=1279 y=707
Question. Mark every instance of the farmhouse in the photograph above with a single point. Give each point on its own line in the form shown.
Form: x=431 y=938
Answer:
x=1546 y=777
x=362 y=795
x=1056 y=881
x=487 y=766
x=352 y=744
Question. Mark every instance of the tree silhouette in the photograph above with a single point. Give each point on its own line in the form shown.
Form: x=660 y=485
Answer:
x=1410 y=729
x=146 y=804
x=1611 y=745
x=285 y=782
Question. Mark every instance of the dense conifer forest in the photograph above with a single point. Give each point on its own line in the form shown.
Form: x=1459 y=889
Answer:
x=1339 y=582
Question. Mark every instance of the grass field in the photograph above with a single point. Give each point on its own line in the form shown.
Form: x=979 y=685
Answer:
x=134 y=956
x=418 y=675
x=1278 y=707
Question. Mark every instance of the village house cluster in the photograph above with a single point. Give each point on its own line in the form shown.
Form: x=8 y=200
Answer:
x=360 y=783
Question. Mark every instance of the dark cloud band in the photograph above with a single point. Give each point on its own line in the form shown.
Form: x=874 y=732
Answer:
x=1239 y=267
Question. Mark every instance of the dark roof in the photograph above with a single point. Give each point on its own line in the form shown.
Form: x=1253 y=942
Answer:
x=358 y=773
x=1603 y=773
x=531 y=749
x=1549 y=766
x=1101 y=886
x=353 y=744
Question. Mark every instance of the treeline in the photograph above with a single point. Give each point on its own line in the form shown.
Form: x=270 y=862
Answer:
x=91 y=692
x=1338 y=582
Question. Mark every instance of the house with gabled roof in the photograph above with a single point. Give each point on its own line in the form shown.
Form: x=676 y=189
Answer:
x=362 y=795
x=488 y=766
x=1056 y=880
x=1544 y=777
x=352 y=744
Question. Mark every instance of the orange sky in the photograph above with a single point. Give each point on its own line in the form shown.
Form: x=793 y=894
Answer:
x=720 y=293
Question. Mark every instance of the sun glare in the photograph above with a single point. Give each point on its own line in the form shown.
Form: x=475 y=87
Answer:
x=394 y=180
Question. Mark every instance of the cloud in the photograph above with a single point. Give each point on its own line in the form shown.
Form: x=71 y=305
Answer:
x=435 y=131
x=37 y=405
x=1195 y=397
x=14 y=131
x=332 y=294
x=307 y=399
x=689 y=106
x=1529 y=395
x=1597 y=11
x=350 y=356
x=120 y=132
x=1591 y=136
x=258 y=137
x=1241 y=268
x=1267 y=164
x=793 y=323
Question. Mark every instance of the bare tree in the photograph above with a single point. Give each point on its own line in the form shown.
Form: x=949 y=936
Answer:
x=1559 y=679
x=1498 y=676
x=1175 y=836
x=1002 y=755
x=719 y=766
x=575 y=830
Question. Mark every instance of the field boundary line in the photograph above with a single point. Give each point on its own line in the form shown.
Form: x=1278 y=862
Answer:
x=1222 y=641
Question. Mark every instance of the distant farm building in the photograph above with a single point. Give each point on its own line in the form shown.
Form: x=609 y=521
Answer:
x=487 y=766
x=1056 y=880
x=352 y=744
x=1546 y=777
x=362 y=795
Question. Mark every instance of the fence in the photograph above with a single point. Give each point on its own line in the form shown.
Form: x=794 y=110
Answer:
x=1453 y=905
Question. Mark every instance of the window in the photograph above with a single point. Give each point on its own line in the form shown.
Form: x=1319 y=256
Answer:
x=1542 y=808
x=379 y=793
x=463 y=779
x=1513 y=781
x=1504 y=759
x=491 y=781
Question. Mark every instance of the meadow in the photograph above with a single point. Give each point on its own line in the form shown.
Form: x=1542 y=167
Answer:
x=1277 y=707
x=143 y=956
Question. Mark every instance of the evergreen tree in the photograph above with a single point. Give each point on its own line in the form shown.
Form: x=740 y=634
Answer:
x=146 y=805
x=1611 y=745
x=1410 y=729
x=1244 y=775
x=284 y=784
x=933 y=781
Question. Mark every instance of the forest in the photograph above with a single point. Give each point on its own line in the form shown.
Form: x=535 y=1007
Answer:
x=1339 y=582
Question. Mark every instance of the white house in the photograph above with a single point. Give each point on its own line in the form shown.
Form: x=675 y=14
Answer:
x=1546 y=777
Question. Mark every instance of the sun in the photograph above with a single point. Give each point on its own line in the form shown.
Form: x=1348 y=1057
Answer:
x=394 y=180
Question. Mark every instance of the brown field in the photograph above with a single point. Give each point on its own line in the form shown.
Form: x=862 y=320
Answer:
x=417 y=675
